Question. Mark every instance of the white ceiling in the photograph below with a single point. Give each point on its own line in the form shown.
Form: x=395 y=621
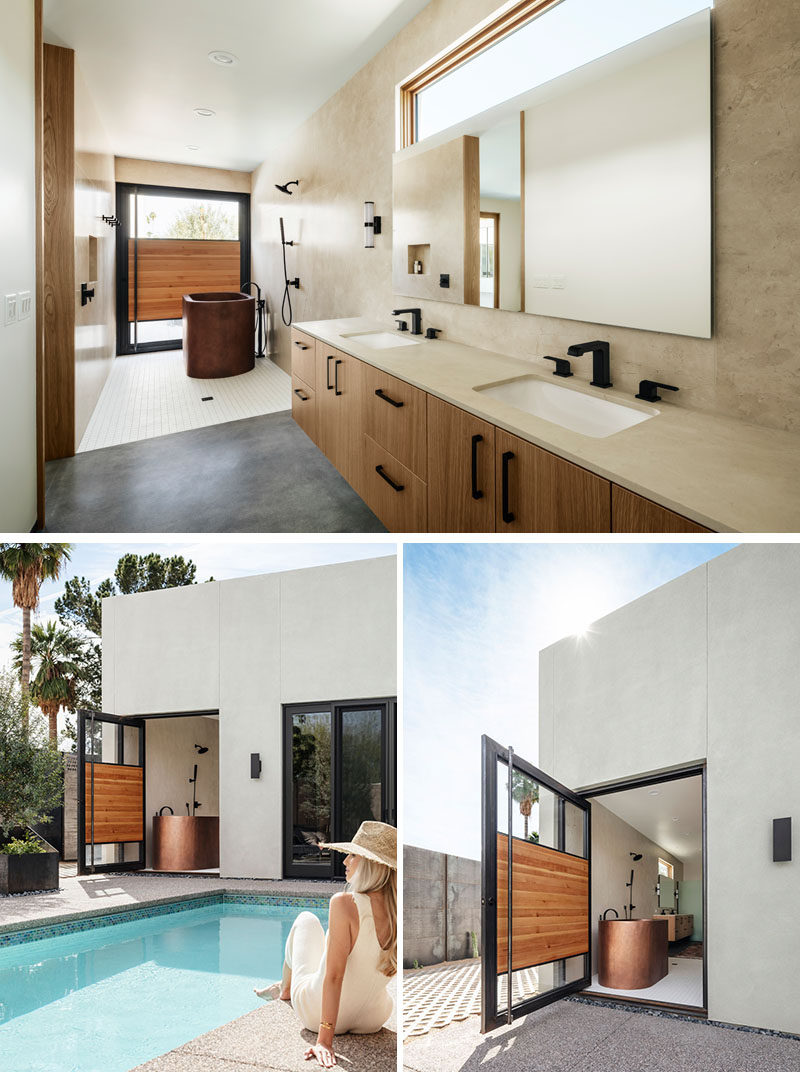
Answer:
x=654 y=815
x=146 y=65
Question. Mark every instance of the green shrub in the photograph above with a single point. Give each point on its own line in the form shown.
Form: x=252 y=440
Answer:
x=31 y=772
x=22 y=846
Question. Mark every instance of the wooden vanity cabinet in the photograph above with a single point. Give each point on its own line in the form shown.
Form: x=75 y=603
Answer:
x=634 y=513
x=303 y=407
x=304 y=357
x=395 y=494
x=461 y=448
x=339 y=425
x=680 y=926
x=536 y=491
x=395 y=417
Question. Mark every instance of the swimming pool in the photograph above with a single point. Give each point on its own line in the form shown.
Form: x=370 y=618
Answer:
x=108 y=998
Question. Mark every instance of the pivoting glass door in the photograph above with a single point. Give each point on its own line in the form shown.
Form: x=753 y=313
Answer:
x=339 y=769
x=536 y=888
x=172 y=242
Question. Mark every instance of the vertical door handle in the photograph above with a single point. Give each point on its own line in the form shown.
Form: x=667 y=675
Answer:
x=338 y=362
x=476 y=494
x=507 y=515
x=328 y=373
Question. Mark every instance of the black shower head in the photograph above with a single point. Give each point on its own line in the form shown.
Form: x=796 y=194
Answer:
x=200 y=749
x=285 y=189
x=636 y=856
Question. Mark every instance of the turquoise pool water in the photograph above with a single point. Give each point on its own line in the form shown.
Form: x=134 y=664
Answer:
x=108 y=999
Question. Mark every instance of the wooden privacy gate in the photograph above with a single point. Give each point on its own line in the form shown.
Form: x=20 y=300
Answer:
x=110 y=793
x=535 y=886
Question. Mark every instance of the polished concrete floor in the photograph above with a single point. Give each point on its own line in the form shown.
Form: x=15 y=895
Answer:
x=262 y=474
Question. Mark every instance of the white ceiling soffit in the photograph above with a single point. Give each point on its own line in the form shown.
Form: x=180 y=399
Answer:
x=655 y=815
x=146 y=66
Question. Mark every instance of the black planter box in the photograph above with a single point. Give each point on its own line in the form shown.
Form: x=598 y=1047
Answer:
x=31 y=871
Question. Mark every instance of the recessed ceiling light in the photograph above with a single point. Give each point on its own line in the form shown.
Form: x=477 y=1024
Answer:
x=654 y=792
x=224 y=59
x=204 y=113
x=194 y=148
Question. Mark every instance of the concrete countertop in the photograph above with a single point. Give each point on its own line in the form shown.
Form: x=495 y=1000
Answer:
x=720 y=472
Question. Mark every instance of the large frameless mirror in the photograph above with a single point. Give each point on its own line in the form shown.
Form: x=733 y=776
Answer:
x=585 y=197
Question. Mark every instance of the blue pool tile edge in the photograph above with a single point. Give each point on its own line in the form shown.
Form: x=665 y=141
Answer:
x=128 y=915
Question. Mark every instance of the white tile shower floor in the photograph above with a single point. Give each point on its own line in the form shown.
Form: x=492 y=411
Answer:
x=149 y=395
x=682 y=985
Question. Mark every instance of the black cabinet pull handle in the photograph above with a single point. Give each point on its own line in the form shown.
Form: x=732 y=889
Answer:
x=507 y=515
x=328 y=373
x=300 y=395
x=385 y=476
x=337 y=363
x=386 y=398
x=476 y=494
x=302 y=345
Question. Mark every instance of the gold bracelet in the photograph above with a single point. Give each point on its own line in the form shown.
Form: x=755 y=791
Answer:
x=324 y=1023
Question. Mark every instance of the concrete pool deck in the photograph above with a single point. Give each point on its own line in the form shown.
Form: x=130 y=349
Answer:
x=569 y=1036
x=91 y=895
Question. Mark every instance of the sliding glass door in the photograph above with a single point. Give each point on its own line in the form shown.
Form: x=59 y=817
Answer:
x=172 y=242
x=339 y=769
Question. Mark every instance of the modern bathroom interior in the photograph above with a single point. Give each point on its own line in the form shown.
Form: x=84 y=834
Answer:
x=647 y=894
x=578 y=316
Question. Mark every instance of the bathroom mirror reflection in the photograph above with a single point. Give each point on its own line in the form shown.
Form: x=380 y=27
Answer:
x=586 y=198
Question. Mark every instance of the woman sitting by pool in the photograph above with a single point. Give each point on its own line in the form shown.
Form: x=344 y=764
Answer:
x=337 y=983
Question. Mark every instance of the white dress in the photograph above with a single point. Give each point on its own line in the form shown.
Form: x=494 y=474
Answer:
x=365 y=1004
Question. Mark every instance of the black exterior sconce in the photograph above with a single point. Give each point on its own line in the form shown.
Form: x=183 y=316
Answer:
x=255 y=764
x=372 y=225
x=781 y=840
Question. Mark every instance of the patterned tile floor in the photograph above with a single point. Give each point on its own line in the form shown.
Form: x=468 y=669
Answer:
x=148 y=395
x=682 y=985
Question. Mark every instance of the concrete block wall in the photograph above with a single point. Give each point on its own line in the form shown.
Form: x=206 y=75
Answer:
x=441 y=906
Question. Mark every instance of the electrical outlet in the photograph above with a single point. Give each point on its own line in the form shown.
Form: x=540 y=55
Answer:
x=25 y=304
x=10 y=309
x=542 y=282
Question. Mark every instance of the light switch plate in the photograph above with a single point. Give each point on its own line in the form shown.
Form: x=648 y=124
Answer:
x=10 y=309
x=542 y=282
x=24 y=304
x=558 y=282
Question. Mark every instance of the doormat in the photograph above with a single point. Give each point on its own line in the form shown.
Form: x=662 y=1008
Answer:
x=692 y=951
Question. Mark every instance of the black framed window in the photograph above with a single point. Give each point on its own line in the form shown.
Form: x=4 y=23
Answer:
x=201 y=237
x=339 y=769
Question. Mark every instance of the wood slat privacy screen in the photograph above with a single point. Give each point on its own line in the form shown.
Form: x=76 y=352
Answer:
x=484 y=37
x=550 y=892
x=118 y=803
x=171 y=267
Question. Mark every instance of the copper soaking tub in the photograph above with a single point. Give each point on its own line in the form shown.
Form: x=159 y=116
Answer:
x=218 y=334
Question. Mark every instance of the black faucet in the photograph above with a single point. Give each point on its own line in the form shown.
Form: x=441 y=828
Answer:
x=416 y=319
x=648 y=390
x=616 y=913
x=601 y=371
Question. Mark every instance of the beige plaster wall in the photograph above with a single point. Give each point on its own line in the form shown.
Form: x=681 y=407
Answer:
x=343 y=157
x=95 y=322
x=159 y=173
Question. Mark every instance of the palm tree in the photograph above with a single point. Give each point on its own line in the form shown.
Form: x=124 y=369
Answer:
x=27 y=565
x=56 y=654
x=526 y=792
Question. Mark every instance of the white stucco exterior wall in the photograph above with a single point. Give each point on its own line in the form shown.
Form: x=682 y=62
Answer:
x=245 y=647
x=704 y=668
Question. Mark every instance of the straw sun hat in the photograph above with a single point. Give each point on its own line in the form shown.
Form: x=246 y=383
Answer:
x=374 y=841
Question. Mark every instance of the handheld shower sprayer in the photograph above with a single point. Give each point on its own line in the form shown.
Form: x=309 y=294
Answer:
x=285 y=188
x=287 y=301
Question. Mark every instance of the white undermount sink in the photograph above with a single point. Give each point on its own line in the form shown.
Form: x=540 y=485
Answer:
x=381 y=340
x=591 y=416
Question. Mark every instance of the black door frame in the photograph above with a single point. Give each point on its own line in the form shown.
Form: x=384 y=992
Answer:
x=694 y=770
x=92 y=717
x=388 y=704
x=124 y=190
x=491 y=752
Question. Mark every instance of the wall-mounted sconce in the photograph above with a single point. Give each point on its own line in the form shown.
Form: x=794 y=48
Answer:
x=201 y=749
x=372 y=225
x=781 y=840
x=255 y=764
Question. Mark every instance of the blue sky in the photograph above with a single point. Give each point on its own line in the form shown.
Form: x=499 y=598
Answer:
x=475 y=618
x=221 y=559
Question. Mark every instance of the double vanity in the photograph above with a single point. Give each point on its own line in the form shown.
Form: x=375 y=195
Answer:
x=438 y=436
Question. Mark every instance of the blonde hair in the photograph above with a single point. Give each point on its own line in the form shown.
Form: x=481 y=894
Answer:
x=371 y=876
